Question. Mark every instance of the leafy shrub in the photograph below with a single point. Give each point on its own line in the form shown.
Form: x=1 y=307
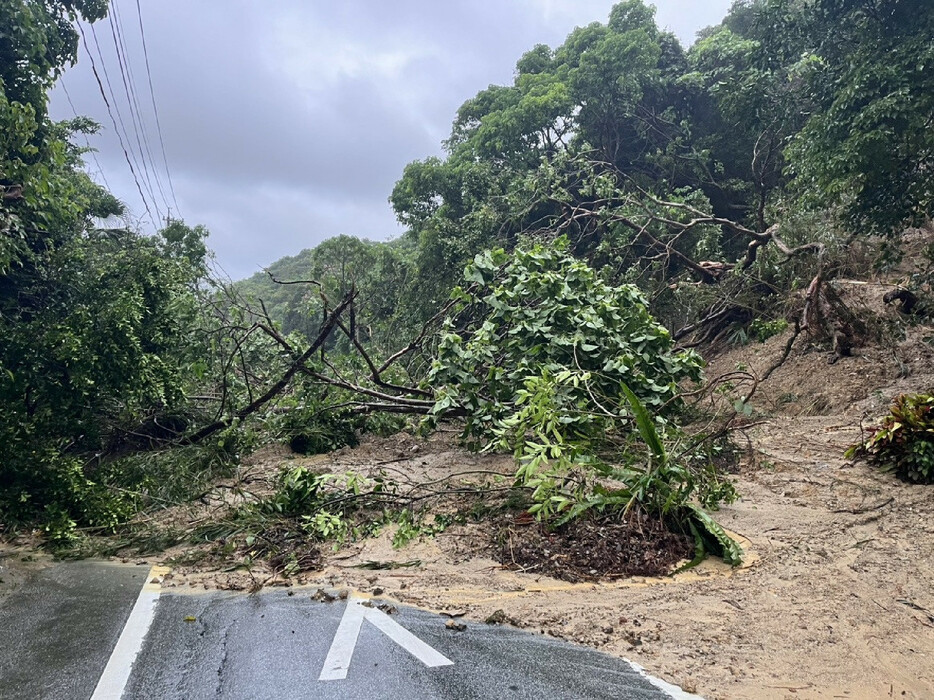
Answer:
x=904 y=442
x=324 y=432
x=96 y=337
x=322 y=503
x=315 y=420
x=762 y=330
x=664 y=487
x=300 y=491
x=311 y=424
x=540 y=333
x=177 y=473
x=545 y=359
x=41 y=485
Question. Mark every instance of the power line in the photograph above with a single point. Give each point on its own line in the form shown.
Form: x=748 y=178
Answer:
x=141 y=162
x=136 y=116
x=126 y=154
x=155 y=110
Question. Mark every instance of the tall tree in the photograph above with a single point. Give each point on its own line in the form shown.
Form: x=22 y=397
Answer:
x=868 y=144
x=94 y=322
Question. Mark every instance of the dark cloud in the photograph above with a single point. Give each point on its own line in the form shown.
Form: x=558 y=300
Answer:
x=288 y=122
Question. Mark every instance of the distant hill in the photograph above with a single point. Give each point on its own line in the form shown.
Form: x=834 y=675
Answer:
x=381 y=272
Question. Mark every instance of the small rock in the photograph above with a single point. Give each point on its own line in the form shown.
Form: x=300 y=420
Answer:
x=496 y=618
x=455 y=625
x=322 y=596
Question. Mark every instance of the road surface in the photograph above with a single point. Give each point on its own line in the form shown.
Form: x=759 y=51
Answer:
x=105 y=631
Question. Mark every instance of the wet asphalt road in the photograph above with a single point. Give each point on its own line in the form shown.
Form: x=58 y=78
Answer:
x=57 y=632
x=58 y=627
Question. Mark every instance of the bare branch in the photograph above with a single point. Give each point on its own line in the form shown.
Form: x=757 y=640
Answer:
x=323 y=334
x=285 y=282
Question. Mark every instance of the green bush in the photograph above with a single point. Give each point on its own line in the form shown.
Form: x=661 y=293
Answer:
x=762 y=330
x=322 y=432
x=904 y=442
x=539 y=333
x=545 y=359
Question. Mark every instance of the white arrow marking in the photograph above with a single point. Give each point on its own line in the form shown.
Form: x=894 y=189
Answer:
x=345 y=640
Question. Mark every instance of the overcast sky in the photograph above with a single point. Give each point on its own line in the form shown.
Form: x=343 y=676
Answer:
x=287 y=122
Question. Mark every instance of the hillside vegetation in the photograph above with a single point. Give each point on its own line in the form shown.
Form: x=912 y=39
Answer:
x=624 y=201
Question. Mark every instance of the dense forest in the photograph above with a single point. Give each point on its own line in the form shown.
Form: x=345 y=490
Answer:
x=625 y=203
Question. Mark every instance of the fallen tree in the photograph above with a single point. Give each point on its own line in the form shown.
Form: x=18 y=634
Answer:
x=535 y=355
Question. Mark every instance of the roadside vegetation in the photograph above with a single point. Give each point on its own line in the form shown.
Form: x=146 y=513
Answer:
x=623 y=205
x=903 y=443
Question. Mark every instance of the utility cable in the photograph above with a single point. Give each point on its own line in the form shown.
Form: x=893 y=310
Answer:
x=126 y=154
x=140 y=162
x=136 y=116
x=155 y=110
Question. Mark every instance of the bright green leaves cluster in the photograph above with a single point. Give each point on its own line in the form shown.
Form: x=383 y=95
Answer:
x=540 y=345
x=545 y=359
x=904 y=442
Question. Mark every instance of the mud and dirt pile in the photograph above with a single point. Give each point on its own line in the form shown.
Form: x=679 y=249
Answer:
x=594 y=549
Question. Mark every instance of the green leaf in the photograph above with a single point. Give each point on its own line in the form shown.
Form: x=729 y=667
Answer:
x=645 y=425
x=715 y=537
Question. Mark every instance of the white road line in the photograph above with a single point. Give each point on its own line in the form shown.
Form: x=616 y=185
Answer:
x=672 y=690
x=113 y=680
x=345 y=640
x=405 y=639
